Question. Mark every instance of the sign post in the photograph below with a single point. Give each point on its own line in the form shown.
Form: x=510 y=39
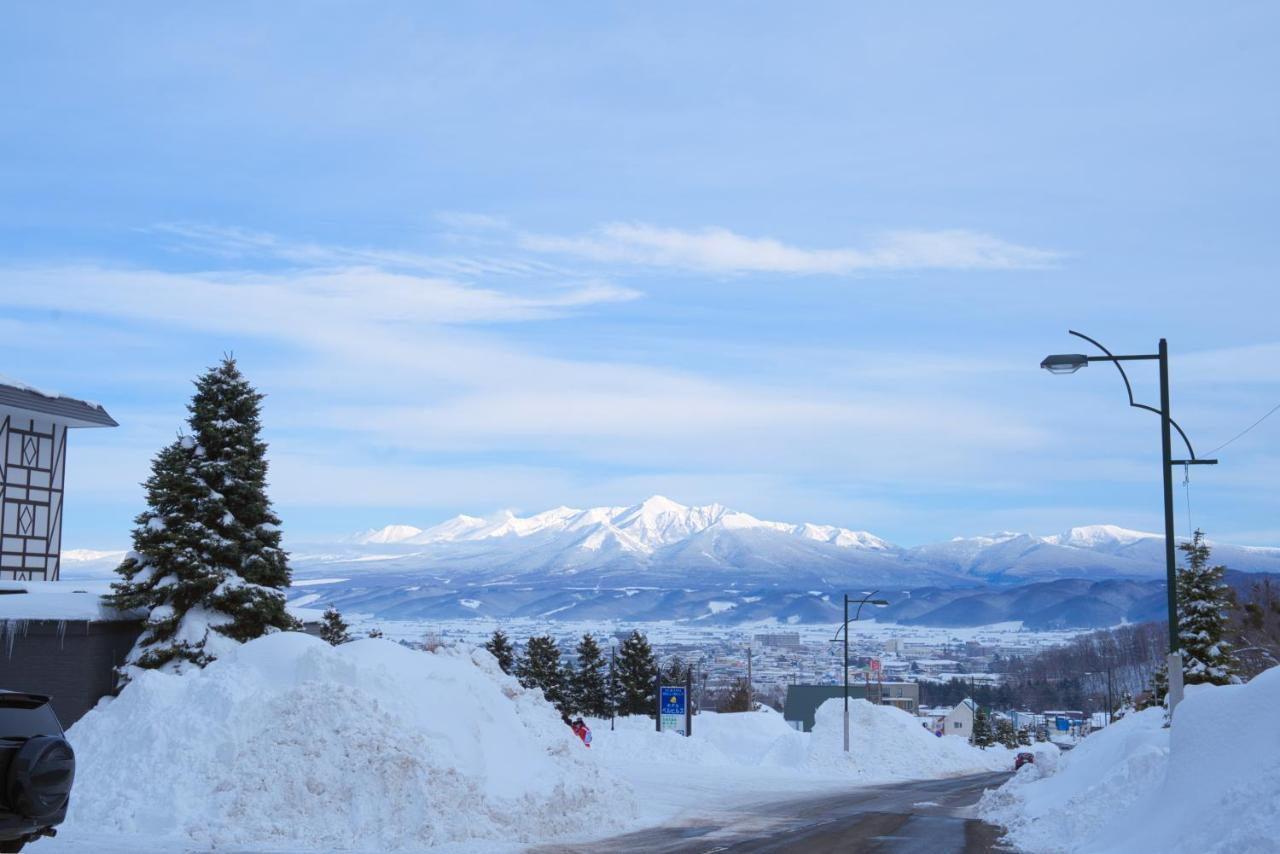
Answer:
x=675 y=705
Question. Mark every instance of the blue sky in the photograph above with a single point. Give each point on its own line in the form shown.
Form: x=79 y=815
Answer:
x=800 y=261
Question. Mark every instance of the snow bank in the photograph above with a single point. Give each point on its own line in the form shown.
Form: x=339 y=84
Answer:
x=748 y=739
x=1209 y=783
x=289 y=742
x=1050 y=809
x=887 y=743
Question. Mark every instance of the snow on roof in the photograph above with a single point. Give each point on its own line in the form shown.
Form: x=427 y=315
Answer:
x=58 y=600
x=76 y=412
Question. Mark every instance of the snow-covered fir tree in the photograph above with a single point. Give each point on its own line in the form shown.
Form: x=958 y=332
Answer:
x=206 y=561
x=167 y=573
x=589 y=689
x=983 y=733
x=636 y=676
x=1203 y=602
x=540 y=667
x=499 y=646
x=1005 y=733
x=230 y=457
x=334 y=629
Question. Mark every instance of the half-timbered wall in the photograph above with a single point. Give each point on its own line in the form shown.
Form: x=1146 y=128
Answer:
x=31 y=472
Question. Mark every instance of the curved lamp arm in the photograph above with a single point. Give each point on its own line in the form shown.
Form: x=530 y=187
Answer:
x=1129 y=388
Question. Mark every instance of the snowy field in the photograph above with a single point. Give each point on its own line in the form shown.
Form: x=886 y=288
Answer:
x=290 y=745
x=1209 y=783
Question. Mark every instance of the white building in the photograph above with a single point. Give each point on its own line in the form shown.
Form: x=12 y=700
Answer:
x=33 y=454
x=959 y=721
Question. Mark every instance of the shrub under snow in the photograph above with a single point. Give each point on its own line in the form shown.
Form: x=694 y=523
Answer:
x=288 y=741
x=1209 y=783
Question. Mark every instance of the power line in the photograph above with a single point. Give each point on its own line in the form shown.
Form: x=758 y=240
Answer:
x=1272 y=411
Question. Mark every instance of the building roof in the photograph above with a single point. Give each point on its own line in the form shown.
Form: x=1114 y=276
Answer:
x=75 y=412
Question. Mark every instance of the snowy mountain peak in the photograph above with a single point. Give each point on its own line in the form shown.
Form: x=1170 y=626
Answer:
x=1095 y=536
x=387 y=534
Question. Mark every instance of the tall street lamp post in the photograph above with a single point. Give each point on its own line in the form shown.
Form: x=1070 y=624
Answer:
x=1069 y=363
x=866 y=600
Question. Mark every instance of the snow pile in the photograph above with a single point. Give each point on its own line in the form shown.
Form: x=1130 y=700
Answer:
x=1210 y=783
x=290 y=742
x=1047 y=809
x=752 y=739
x=887 y=743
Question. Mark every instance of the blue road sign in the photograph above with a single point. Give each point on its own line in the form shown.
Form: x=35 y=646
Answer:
x=673 y=708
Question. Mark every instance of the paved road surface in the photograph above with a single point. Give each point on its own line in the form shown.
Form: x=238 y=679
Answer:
x=923 y=817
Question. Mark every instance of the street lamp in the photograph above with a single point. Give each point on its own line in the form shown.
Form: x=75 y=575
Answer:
x=1072 y=362
x=866 y=600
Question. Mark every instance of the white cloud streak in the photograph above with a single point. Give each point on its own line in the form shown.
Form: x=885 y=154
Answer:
x=719 y=250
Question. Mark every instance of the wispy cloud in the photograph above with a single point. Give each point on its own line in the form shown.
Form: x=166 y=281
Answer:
x=269 y=303
x=719 y=250
x=239 y=243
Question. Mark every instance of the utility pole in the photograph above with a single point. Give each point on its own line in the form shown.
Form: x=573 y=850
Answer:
x=688 y=701
x=846 y=673
x=613 y=687
x=751 y=691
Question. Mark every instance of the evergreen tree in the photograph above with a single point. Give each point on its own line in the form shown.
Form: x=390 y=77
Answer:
x=1024 y=738
x=334 y=629
x=636 y=676
x=500 y=648
x=739 y=697
x=1159 y=687
x=230 y=457
x=1005 y=733
x=167 y=572
x=540 y=667
x=588 y=687
x=207 y=560
x=375 y=633
x=983 y=735
x=1203 y=601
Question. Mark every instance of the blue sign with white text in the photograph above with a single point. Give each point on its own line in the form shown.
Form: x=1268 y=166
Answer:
x=673 y=707
x=673 y=701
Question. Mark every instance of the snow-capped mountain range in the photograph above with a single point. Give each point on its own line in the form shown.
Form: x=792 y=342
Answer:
x=663 y=539
x=643 y=528
x=661 y=560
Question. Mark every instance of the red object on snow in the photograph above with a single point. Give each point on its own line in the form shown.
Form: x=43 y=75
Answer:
x=583 y=732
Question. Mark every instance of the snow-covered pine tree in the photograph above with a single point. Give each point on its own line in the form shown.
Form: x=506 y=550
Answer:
x=499 y=647
x=168 y=572
x=636 y=676
x=230 y=457
x=587 y=683
x=1005 y=733
x=1203 y=601
x=334 y=629
x=540 y=667
x=206 y=562
x=738 y=698
x=1155 y=695
x=983 y=735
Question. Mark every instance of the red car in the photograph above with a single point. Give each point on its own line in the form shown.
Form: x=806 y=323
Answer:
x=1024 y=759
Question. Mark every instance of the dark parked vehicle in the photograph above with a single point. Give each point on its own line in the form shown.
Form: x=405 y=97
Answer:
x=36 y=770
x=1024 y=759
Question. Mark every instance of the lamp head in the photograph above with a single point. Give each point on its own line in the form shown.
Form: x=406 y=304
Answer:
x=1065 y=363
